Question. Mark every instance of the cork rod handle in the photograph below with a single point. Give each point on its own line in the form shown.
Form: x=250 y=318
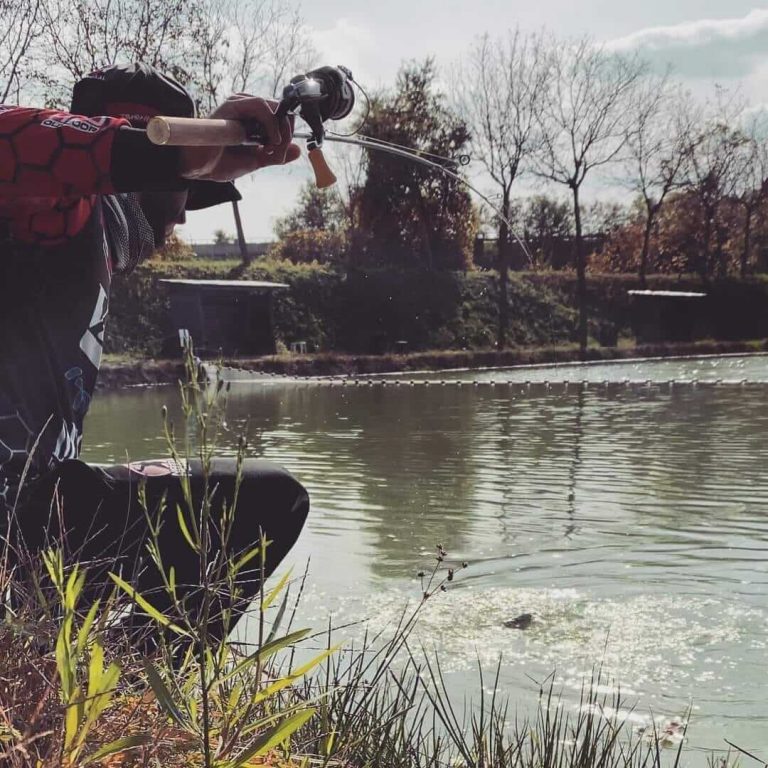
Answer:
x=195 y=132
x=200 y=132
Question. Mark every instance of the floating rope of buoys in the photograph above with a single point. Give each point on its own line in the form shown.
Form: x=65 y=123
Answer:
x=237 y=375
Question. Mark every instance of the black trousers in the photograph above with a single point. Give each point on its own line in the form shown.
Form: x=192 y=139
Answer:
x=97 y=516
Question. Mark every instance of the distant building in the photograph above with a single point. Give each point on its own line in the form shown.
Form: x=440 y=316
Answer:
x=669 y=316
x=228 y=250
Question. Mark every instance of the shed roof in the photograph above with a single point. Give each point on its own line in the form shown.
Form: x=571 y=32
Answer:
x=241 y=285
x=668 y=294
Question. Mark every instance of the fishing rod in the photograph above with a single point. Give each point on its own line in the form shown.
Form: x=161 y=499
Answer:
x=447 y=165
x=320 y=95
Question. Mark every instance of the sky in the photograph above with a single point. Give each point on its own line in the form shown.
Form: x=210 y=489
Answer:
x=705 y=41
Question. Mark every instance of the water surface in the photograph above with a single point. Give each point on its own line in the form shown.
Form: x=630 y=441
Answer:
x=630 y=518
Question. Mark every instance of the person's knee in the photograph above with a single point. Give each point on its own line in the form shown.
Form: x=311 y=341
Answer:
x=269 y=499
x=273 y=491
x=270 y=503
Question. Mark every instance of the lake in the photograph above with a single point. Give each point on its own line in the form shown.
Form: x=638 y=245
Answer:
x=624 y=504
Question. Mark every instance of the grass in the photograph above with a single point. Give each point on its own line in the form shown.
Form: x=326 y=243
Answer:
x=75 y=691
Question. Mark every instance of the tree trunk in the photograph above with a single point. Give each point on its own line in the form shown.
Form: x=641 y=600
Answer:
x=747 y=241
x=244 y=255
x=704 y=260
x=649 y=216
x=721 y=259
x=581 y=275
x=426 y=235
x=503 y=264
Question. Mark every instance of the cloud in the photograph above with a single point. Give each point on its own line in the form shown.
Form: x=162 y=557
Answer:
x=707 y=48
x=346 y=43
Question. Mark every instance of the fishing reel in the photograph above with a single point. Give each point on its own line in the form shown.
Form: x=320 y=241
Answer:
x=322 y=94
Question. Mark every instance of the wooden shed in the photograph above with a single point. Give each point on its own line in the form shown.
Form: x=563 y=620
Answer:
x=660 y=316
x=223 y=317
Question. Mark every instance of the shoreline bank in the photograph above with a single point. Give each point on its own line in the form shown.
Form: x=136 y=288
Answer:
x=116 y=374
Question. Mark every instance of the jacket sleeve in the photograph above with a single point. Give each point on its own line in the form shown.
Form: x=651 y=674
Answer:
x=53 y=162
x=45 y=153
x=48 y=153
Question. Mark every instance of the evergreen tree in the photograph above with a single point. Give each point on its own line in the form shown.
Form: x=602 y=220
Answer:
x=412 y=215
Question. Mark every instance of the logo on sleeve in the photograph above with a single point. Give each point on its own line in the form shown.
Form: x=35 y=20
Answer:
x=84 y=124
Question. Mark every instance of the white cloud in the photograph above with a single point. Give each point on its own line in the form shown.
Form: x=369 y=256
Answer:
x=349 y=44
x=706 y=48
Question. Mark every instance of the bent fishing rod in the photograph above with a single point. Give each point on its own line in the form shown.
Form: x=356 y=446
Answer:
x=320 y=95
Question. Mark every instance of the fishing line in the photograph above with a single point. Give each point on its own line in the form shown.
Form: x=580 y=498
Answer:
x=365 y=116
x=367 y=142
x=461 y=160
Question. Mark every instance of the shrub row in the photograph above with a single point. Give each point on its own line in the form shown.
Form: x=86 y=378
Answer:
x=369 y=311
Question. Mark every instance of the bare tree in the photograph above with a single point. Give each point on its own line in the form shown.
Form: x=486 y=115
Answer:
x=583 y=125
x=661 y=120
x=349 y=166
x=211 y=31
x=208 y=45
x=247 y=46
x=712 y=167
x=751 y=183
x=83 y=35
x=499 y=90
x=20 y=26
x=289 y=48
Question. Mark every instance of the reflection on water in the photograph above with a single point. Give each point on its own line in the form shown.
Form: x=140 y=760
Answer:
x=631 y=521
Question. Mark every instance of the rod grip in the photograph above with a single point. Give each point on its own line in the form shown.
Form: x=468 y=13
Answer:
x=324 y=176
x=195 y=132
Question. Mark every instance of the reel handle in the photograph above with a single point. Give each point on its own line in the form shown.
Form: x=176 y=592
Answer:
x=217 y=132
x=324 y=176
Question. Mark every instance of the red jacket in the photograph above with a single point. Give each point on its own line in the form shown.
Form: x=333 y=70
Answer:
x=52 y=165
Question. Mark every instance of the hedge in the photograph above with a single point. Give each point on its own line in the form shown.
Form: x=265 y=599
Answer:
x=368 y=311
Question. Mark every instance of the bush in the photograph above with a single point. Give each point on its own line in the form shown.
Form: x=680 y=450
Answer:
x=362 y=311
x=308 y=245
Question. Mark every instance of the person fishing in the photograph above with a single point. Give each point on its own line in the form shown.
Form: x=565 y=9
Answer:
x=84 y=196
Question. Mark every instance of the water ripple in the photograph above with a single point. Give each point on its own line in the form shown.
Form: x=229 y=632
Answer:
x=631 y=519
